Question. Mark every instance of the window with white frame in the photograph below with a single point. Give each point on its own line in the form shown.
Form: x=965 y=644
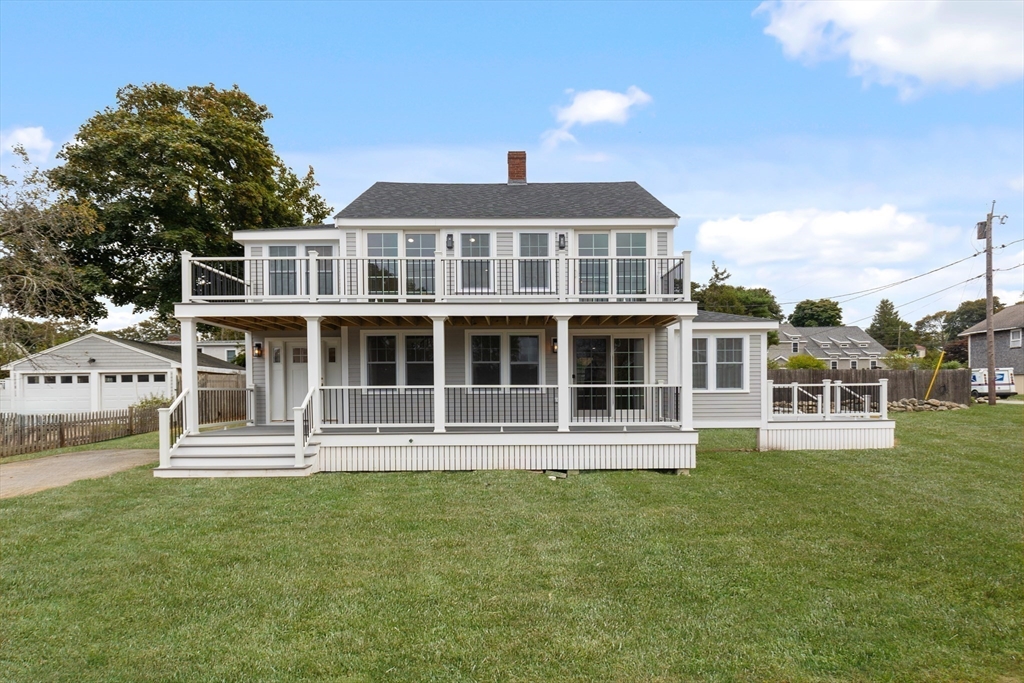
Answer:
x=719 y=363
x=853 y=365
x=796 y=347
x=592 y=249
x=631 y=273
x=230 y=354
x=382 y=263
x=535 y=273
x=475 y=274
x=1015 y=338
x=399 y=359
x=700 y=363
x=33 y=379
x=874 y=365
x=505 y=358
x=419 y=268
x=283 y=269
x=729 y=363
x=834 y=365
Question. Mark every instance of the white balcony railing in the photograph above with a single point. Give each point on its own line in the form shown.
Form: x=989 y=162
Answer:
x=827 y=401
x=316 y=278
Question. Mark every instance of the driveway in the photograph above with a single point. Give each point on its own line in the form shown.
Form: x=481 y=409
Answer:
x=29 y=476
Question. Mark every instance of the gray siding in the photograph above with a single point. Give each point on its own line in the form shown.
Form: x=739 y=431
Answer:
x=107 y=355
x=741 y=408
x=661 y=355
x=259 y=379
x=1005 y=356
x=663 y=248
x=504 y=247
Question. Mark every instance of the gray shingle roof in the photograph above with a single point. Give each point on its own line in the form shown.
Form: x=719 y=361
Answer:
x=716 y=317
x=500 y=200
x=323 y=226
x=1010 y=318
x=173 y=353
x=824 y=343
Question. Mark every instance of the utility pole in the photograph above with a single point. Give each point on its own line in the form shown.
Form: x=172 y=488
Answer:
x=990 y=329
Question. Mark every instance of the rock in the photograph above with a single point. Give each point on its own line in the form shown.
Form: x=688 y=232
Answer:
x=934 y=402
x=919 y=409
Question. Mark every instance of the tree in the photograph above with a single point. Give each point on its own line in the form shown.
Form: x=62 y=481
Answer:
x=805 y=361
x=718 y=296
x=930 y=330
x=816 y=313
x=168 y=170
x=156 y=328
x=37 y=277
x=896 y=360
x=888 y=329
x=967 y=314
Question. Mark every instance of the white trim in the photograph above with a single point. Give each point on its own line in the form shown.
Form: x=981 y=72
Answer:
x=504 y=333
x=250 y=237
x=1018 y=340
x=399 y=333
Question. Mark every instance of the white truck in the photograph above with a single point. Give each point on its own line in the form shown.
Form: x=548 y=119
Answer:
x=1004 y=382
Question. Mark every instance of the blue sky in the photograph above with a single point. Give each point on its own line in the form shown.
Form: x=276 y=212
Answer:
x=815 y=149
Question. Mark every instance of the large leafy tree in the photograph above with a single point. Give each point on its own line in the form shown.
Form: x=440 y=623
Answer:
x=967 y=314
x=888 y=329
x=816 y=313
x=37 y=226
x=169 y=170
x=721 y=297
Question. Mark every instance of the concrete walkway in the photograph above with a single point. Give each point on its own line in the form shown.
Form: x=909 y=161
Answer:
x=29 y=476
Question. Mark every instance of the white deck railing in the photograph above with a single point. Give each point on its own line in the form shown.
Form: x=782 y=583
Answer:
x=387 y=279
x=172 y=426
x=827 y=401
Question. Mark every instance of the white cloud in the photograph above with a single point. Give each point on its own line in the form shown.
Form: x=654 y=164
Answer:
x=820 y=238
x=909 y=45
x=594 y=106
x=33 y=139
x=1017 y=184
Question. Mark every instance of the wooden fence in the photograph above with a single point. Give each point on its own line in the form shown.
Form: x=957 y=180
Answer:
x=950 y=385
x=32 y=433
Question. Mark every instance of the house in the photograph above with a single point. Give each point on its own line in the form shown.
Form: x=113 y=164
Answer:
x=96 y=372
x=1009 y=351
x=509 y=325
x=222 y=349
x=843 y=347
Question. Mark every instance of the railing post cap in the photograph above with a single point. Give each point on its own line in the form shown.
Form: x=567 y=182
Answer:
x=186 y=253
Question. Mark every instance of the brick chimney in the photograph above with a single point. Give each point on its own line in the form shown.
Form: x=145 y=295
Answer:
x=517 y=168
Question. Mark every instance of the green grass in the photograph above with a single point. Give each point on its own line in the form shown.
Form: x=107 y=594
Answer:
x=897 y=565
x=148 y=440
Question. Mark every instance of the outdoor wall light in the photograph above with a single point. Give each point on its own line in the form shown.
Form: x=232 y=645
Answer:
x=561 y=241
x=554 y=345
x=257 y=350
x=450 y=241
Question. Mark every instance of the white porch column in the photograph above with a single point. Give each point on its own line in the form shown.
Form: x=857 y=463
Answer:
x=439 y=373
x=686 y=372
x=190 y=374
x=313 y=365
x=564 y=356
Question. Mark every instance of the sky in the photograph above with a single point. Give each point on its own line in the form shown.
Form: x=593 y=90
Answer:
x=817 y=149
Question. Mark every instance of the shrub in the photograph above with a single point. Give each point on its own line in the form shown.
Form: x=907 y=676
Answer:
x=805 y=361
x=152 y=402
x=896 y=360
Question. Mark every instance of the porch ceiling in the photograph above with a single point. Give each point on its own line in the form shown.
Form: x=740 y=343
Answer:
x=295 y=323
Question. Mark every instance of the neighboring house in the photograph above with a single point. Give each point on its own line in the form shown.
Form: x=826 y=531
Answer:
x=97 y=372
x=223 y=349
x=1009 y=349
x=843 y=347
x=510 y=325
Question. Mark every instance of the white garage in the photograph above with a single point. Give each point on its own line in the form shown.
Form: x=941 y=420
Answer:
x=96 y=372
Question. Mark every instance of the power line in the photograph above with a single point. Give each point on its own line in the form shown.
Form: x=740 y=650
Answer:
x=865 y=292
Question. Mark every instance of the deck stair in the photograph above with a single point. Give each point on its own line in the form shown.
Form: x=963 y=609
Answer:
x=245 y=452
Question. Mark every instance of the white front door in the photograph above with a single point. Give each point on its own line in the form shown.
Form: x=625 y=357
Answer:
x=296 y=375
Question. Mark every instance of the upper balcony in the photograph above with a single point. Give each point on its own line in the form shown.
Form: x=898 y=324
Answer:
x=440 y=279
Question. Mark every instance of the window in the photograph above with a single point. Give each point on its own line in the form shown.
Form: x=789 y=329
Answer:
x=332 y=354
x=159 y=378
x=593 y=264
x=382 y=269
x=1015 y=338
x=143 y=378
x=729 y=363
x=419 y=273
x=381 y=361
x=126 y=378
x=282 y=267
x=66 y=379
x=324 y=269
x=230 y=355
x=628 y=359
x=631 y=273
x=300 y=355
x=109 y=379
x=49 y=379
x=277 y=354
x=485 y=359
x=83 y=379
x=419 y=360
x=874 y=365
x=33 y=379
x=523 y=360
x=476 y=274
x=700 y=363
x=796 y=347
x=834 y=364
x=853 y=365
x=534 y=274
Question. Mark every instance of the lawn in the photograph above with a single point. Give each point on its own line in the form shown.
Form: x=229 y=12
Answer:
x=901 y=565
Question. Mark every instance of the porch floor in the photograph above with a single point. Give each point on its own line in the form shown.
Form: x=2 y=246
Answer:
x=283 y=429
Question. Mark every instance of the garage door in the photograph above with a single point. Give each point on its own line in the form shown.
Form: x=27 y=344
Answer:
x=121 y=390
x=53 y=394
